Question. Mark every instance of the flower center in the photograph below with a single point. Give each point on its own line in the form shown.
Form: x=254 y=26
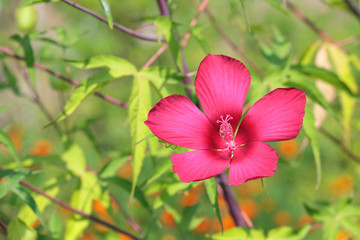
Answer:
x=226 y=131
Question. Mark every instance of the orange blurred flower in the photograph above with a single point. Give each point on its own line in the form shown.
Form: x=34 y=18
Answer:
x=168 y=237
x=282 y=218
x=268 y=204
x=2 y=179
x=342 y=235
x=250 y=188
x=126 y=170
x=191 y=197
x=228 y=222
x=288 y=149
x=87 y=236
x=304 y=219
x=344 y=183
x=101 y=212
x=167 y=218
x=249 y=207
x=42 y=147
x=36 y=223
x=124 y=237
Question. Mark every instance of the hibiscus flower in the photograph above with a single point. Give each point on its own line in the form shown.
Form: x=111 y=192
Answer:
x=219 y=137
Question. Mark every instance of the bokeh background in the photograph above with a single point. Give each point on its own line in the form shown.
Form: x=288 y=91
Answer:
x=270 y=36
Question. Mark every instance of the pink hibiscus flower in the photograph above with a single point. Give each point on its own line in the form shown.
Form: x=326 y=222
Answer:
x=222 y=84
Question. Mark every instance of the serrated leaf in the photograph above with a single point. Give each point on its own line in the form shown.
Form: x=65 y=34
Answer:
x=211 y=190
x=139 y=107
x=106 y=6
x=311 y=133
x=6 y=140
x=85 y=89
x=18 y=230
x=118 y=67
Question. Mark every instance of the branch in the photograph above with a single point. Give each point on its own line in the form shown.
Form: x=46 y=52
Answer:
x=4 y=227
x=68 y=207
x=231 y=44
x=233 y=207
x=58 y=75
x=345 y=149
x=353 y=8
x=323 y=35
x=116 y=25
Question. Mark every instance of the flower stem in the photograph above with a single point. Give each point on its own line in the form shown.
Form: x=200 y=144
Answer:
x=234 y=209
x=66 y=79
x=68 y=207
x=4 y=227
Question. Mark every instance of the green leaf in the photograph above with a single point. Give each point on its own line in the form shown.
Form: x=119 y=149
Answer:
x=29 y=55
x=196 y=32
x=106 y=6
x=341 y=64
x=277 y=5
x=287 y=233
x=18 y=230
x=211 y=189
x=82 y=199
x=110 y=168
x=187 y=216
x=28 y=199
x=118 y=67
x=74 y=159
x=32 y=2
x=311 y=133
x=236 y=233
x=300 y=81
x=12 y=82
x=166 y=28
x=126 y=185
x=160 y=170
x=55 y=226
x=309 y=54
x=139 y=107
x=6 y=140
x=324 y=75
x=85 y=89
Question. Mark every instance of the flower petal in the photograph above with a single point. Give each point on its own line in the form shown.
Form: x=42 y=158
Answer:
x=277 y=116
x=222 y=83
x=178 y=121
x=252 y=161
x=199 y=165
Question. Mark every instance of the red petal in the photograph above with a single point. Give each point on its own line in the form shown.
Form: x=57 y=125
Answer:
x=222 y=83
x=252 y=161
x=277 y=116
x=177 y=120
x=199 y=165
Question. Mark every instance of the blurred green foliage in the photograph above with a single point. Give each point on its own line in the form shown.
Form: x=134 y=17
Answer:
x=99 y=157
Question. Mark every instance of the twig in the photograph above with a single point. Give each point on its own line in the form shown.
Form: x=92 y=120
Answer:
x=344 y=149
x=353 y=8
x=229 y=195
x=66 y=79
x=156 y=55
x=164 y=10
x=231 y=44
x=129 y=219
x=115 y=25
x=4 y=227
x=312 y=25
x=68 y=207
